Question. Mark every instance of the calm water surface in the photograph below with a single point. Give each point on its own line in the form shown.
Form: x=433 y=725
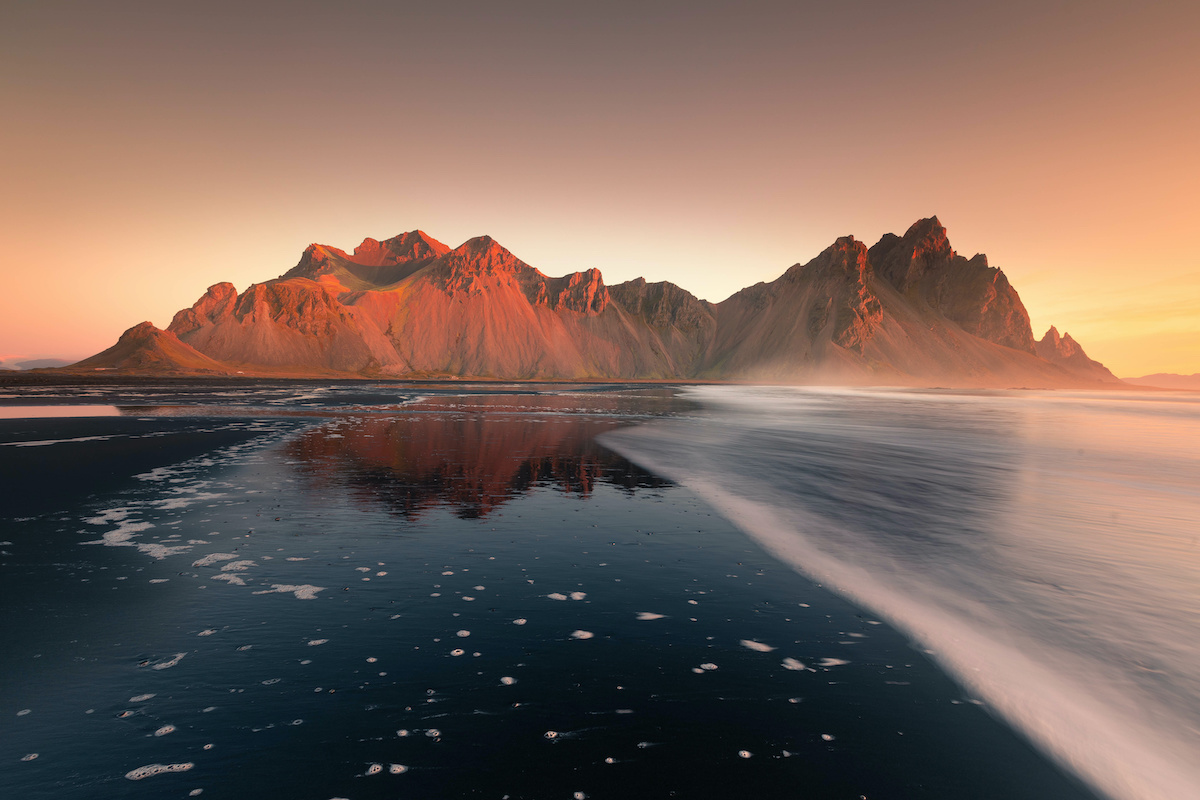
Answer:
x=366 y=591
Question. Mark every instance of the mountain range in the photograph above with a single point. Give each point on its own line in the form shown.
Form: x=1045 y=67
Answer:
x=907 y=311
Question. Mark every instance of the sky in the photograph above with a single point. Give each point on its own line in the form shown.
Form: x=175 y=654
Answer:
x=149 y=150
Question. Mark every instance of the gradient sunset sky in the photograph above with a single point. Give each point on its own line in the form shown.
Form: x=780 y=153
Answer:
x=148 y=150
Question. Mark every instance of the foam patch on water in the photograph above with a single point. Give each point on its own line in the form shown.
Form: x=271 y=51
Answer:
x=186 y=497
x=213 y=558
x=304 y=591
x=141 y=698
x=645 y=616
x=756 y=646
x=170 y=662
x=832 y=662
x=150 y=770
x=582 y=635
x=164 y=730
x=794 y=665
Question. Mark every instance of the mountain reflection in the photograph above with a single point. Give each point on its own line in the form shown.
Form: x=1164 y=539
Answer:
x=459 y=457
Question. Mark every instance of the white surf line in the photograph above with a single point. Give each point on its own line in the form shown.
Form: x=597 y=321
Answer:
x=1120 y=756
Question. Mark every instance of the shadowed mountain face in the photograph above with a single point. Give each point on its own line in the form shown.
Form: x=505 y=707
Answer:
x=470 y=463
x=908 y=310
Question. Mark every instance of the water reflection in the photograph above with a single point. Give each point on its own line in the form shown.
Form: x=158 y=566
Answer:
x=458 y=457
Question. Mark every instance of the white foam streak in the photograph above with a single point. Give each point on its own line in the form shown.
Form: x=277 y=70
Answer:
x=1069 y=704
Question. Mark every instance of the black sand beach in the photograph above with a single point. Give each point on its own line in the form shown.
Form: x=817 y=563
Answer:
x=367 y=590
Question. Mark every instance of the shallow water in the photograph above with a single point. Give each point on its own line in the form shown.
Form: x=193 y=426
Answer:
x=377 y=591
x=1044 y=546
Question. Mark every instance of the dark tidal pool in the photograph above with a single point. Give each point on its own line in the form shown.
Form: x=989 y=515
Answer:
x=433 y=592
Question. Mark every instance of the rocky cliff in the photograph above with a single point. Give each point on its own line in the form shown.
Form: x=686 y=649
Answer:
x=1066 y=353
x=907 y=310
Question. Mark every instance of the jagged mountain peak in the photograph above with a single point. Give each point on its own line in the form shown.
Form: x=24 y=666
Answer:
x=415 y=245
x=1058 y=345
x=1066 y=353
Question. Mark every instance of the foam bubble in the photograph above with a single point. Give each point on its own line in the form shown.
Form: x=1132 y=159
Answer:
x=207 y=632
x=758 y=646
x=578 y=595
x=315 y=642
x=458 y=651
x=557 y=596
x=213 y=558
x=375 y=769
x=304 y=591
x=508 y=680
x=793 y=664
x=170 y=662
x=582 y=635
x=141 y=698
x=433 y=733
x=649 y=615
x=29 y=757
x=164 y=730
x=151 y=770
x=744 y=754
x=827 y=737
x=463 y=634
x=24 y=711
x=708 y=667
x=397 y=769
x=520 y=621
x=832 y=662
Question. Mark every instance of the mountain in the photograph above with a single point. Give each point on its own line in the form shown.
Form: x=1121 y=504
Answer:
x=1066 y=353
x=1167 y=380
x=146 y=349
x=908 y=310
x=476 y=310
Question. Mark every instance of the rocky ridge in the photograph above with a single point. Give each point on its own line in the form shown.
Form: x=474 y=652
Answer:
x=908 y=310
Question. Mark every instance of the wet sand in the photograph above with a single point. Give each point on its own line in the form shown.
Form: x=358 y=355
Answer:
x=372 y=593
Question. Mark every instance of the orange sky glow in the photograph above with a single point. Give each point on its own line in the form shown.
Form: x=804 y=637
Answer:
x=148 y=150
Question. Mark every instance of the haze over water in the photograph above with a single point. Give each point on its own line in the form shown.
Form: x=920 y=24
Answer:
x=1044 y=547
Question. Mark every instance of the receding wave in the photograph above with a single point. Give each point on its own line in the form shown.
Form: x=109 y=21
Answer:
x=1044 y=548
